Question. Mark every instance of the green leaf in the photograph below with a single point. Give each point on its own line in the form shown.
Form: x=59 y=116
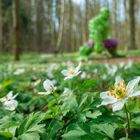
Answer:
x=93 y=115
x=83 y=99
x=75 y=133
x=87 y=84
x=69 y=102
x=39 y=128
x=53 y=128
x=136 y=120
x=81 y=131
x=30 y=136
x=106 y=129
x=6 y=134
x=32 y=125
x=124 y=138
x=7 y=83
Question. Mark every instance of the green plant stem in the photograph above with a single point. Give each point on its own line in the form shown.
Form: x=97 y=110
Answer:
x=128 y=121
x=55 y=96
x=70 y=84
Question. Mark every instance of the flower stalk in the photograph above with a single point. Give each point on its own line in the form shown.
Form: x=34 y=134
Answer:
x=128 y=121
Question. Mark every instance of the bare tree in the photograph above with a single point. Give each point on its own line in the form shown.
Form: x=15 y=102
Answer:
x=114 y=15
x=61 y=26
x=0 y=25
x=16 y=27
x=132 y=24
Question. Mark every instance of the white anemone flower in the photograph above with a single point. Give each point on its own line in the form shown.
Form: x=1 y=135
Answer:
x=19 y=71
x=119 y=93
x=128 y=65
x=71 y=71
x=104 y=76
x=9 y=101
x=50 y=70
x=111 y=69
x=95 y=71
x=48 y=86
x=121 y=65
x=66 y=92
x=83 y=75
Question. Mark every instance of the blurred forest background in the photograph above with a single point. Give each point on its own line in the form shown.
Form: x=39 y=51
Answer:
x=57 y=26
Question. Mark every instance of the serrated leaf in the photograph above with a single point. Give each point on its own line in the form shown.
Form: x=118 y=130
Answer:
x=106 y=128
x=93 y=115
x=32 y=124
x=69 y=102
x=74 y=133
x=83 y=99
x=53 y=128
x=136 y=120
x=39 y=128
x=30 y=136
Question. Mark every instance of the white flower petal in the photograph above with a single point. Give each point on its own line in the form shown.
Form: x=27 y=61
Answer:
x=118 y=79
x=44 y=93
x=65 y=72
x=15 y=96
x=11 y=105
x=131 y=85
x=70 y=64
x=118 y=105
x=10 y=95
x=3 y=99
x=109 y=100
x=48 y=85
x=78 y=67
x=83 y=75
x=50 y=75
x=69 y=77
x=135 y=93
x=66 y=91
x=77 y=73
x=104 y=94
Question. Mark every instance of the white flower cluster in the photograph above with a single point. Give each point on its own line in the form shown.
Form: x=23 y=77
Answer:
x=69 y=73
x=9 y=101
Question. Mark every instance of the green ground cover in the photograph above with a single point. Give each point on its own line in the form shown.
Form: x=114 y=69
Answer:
x=72 y=111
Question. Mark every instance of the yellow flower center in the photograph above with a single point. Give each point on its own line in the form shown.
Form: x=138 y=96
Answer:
x=71 y=71
x=118 y=91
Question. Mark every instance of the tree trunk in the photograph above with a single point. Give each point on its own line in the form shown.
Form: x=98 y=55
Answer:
x=61 y=27
x=115 y=18
x=0 y=25
x=83 y=24
x=52 y=24
x=39 y=24
x=16 y=27
x=71 y=24
x=132 y=24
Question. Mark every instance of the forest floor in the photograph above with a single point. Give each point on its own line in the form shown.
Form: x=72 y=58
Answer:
x=43 y=59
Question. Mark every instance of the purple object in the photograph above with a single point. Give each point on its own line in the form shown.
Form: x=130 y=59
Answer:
x=110 y=43
x=107 y=43
x=90 y=43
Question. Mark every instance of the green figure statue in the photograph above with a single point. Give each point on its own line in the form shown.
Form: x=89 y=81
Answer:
x=99 y=38
x=99 y=29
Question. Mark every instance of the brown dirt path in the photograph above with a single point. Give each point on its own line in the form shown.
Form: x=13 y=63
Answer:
x=117 y=60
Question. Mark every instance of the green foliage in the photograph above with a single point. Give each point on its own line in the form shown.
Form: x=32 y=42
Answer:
x=69 y=116
x=85 y=50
